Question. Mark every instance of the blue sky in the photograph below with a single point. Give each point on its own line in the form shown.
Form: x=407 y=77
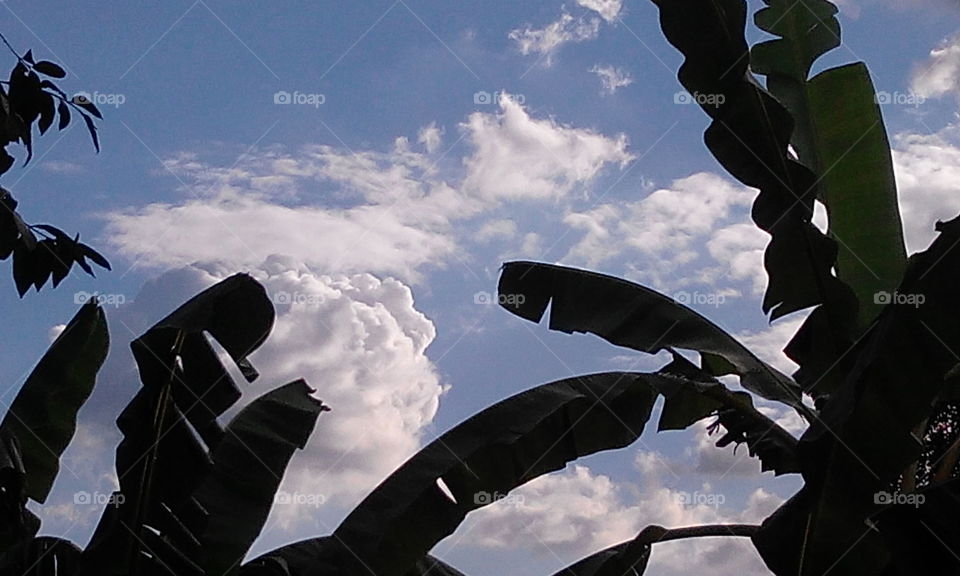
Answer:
x=383 y=198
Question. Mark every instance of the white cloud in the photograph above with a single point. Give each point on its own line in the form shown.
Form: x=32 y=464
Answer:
x=740 y=248
x=518 y=157
x=546 y=41
x=940 y=73
x=577 y=512
x=927 y=168
x=502 y=228
x=769 y=343
x=667 y=228
x=609 y=10
x=431 y=137
x=387 y=213
x=611 y=78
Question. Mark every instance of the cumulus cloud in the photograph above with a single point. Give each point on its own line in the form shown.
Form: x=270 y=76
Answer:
x=517 y=157
x=940 y=73
x=387 y=213
x=611 y=78
x=609 y=10
x=577 y=512
x=927 y=168
x=667 y=228
x=546 y=41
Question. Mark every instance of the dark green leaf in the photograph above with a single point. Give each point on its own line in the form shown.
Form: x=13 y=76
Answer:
x=530 y=434
x=64 y=112
x=43 y=416
x=41 y=556
x=92 y=130
x=247 y=467
x=50 y=69
x=633 y=316
x=85 y=103
x=47 y=112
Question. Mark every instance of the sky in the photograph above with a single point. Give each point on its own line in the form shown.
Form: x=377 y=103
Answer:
x=373 y=164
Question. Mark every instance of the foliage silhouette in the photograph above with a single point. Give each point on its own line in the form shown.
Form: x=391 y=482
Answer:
x=877 y=381
x=30 y=96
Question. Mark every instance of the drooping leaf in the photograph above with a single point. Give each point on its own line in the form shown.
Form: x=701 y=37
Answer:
x=171 y=431
x=633 y=316
x=512 y=442
x=301 y=559
x=43 y=416
x=610 y=559
x=248 y=465
x=92 y=129
x=63 y=111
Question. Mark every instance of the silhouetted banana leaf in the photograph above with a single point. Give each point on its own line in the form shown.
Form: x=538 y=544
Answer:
x=178 y=469
x=920 y=530
x=839 y=134
x=630 y=315
x=301 y=559
x=43 y=416
x=512 y=442
x=248 y=465
x=749 y=135
x=866 y=438
x=42 y=556
x=611 y=559
x=17 y=524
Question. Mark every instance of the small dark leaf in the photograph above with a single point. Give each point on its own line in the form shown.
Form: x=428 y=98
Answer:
x=64 y=111
x=51 y=86
x=95 y=256
x=28 y=56
x=85 y=103
x=48 y=68
x=47 y=112
x=93 y=130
